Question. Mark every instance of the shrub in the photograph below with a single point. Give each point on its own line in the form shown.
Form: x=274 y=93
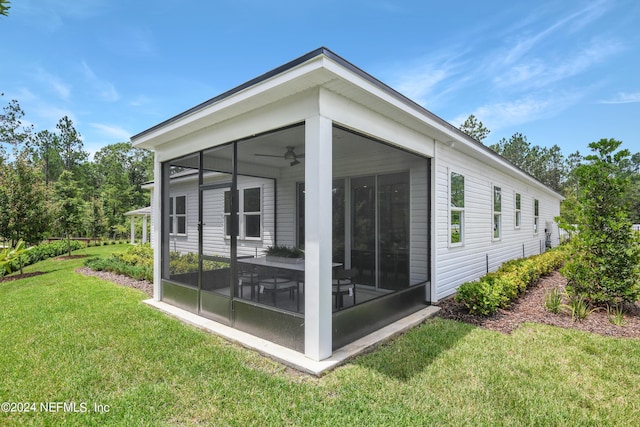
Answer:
x=497 y=290
x=605 y=253
x=136 y=262
x=483 y=297
x=188 y=263
x=41 y=252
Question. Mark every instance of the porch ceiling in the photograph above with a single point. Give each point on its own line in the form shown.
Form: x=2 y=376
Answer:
x=346 y=144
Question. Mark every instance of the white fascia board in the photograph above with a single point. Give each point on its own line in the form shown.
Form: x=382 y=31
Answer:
x=253 y=97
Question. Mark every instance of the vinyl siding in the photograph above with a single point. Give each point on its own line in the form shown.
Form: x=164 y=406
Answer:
x=458 y=264
x=214 y=242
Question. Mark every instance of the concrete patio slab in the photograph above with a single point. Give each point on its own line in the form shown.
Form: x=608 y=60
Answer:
x=293 y=358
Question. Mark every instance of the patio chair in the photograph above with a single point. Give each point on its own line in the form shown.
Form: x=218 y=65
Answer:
x=273 y=280
x=247 y=276
x=343 y=284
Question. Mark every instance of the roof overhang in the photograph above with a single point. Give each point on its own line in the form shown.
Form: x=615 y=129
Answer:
x=322 y=68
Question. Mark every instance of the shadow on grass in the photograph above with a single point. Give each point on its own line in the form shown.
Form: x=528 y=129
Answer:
x=21 y=276
x=411 y=353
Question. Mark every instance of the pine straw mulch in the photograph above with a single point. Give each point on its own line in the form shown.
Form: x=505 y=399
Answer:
x=119 y=279
x=530 y=308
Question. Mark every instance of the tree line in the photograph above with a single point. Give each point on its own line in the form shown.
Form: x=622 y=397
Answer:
x=50 y=188
x=557 y=171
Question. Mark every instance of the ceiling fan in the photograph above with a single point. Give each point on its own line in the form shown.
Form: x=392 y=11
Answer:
x=288 y=155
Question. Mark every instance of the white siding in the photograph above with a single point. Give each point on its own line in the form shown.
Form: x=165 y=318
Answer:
x=458 y=264
x=380 y=159
x=214 y=242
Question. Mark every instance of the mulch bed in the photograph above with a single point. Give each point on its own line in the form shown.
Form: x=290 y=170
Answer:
x=119 y=279
x=20 y=276
x=65 y=257
x=530 y=308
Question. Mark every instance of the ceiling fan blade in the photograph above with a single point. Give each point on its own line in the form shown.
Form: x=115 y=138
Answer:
x=267 y=155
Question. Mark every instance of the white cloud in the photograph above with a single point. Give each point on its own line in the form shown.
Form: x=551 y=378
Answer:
x=50 y=15
x=529 y=108
x=112 y=131
x=623 y=98
x=61 y=88
x=541 y=72
x=106 y=90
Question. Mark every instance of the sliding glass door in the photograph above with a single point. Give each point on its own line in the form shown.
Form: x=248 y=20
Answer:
x=363 y=229
x=393 y=231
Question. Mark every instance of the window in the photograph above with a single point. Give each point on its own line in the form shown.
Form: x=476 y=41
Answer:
x=251 y=209
x=249 y=213
x=518 y=210
x=178 y=215
x=227 y=213
x=456 y=217
x=497 y=212
x=536 y=215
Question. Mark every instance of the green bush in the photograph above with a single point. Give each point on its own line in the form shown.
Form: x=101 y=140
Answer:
x=482 y=297
x=135 y=262
x=188 y=263
x=497 y=290
x=41 y=252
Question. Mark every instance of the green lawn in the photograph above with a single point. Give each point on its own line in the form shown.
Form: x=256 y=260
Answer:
x=69 y=338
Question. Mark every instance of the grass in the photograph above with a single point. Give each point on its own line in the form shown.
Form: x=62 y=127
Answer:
x=69 y=338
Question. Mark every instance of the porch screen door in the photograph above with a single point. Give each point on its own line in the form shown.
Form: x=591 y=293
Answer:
x=216 y=290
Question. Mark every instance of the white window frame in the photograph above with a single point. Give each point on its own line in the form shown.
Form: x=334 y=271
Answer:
x=173 y=215
x=517 y=221
x=536 y=216
x=242 y=215
x=453 y=209
x=495 y=213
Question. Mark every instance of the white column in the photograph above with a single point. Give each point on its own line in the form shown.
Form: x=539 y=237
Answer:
x=144 y=228
x=318 y=235
x=157 y=228
x=133 y=230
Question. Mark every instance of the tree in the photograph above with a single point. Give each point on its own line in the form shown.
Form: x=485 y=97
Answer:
x=547 y=165
x=633 y=193
x=24 y=211
x=4 y=7
x=68 y=207
x=46 y=149
x=604 y=264
x=70 y=144
x=474 y=128
x=12 y=132
x=121 y=171
x=94 y=221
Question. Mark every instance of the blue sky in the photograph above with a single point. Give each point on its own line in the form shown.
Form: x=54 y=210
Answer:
x=561 y=72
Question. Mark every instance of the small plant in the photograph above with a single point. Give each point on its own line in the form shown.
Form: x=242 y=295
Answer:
x=284 y=251
x=553 y=301
x=615 y=314
x=9 y=255
x=579 y=307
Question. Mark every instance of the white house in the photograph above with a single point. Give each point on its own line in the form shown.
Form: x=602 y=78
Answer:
x=317 y=154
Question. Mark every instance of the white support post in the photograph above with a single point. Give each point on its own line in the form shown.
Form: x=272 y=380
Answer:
x=318 y=236
x=157 y=228
x=144 y=229
x=133 y=230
